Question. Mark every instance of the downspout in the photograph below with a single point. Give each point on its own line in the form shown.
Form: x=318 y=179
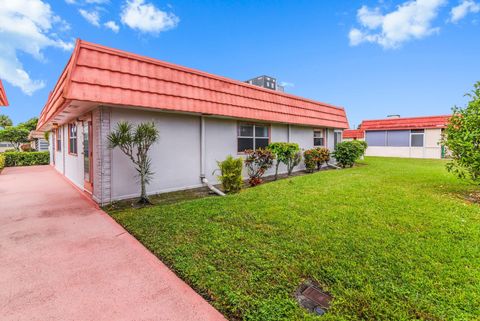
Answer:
x=203 y=159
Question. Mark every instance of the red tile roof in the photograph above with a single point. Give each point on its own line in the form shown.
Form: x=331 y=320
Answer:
x=353 y=133
x=406 y=123
x=104 y=75
x=3 y=95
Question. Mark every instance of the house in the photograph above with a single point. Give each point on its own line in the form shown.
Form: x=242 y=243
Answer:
x=415 y=137
x=38 y=141
x=201 y=118
x=353 y=134
x=3 y=95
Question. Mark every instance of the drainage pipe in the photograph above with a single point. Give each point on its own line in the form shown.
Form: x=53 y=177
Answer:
x=203 y=159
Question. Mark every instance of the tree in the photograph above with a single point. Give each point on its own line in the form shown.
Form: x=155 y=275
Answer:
x=15 y=135
x=462 y=138
x=135 y=143
x=5 y=121
x=286 y=153
x=30 y=124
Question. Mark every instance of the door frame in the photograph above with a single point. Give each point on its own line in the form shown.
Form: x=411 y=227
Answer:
x=88 y=185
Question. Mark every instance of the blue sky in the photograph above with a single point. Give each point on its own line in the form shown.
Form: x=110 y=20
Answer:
x=374 y=58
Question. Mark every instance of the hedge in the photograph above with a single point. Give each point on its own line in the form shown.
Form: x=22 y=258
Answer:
x=26 y=158
x=2 y=162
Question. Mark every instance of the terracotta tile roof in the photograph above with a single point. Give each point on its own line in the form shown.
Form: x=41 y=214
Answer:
x=3 y=95
x=353 y=133
x=104 y=75
x=406 y=123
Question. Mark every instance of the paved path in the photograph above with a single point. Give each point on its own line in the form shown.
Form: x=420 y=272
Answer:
x=61 y=258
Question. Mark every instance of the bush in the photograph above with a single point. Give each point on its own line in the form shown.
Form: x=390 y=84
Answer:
x=346 y=153
x=310 y=157
x=361 y=145
x=462 y=138
x=287 y=153
x=231 y=174
x=26 y=159
x=323 y=156
x=2 y=162
x=257 y=163
x=315 y=158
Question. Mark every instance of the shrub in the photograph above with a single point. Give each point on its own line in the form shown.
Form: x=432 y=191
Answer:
x=315 y=158
x=361 y=145
x=26 y=159
x=310 y=157
x=231 y=174
x=346 y=153
x=2 y=162
x=257 y=163
x=286 y=153
x=323 y=156
x=462 y=138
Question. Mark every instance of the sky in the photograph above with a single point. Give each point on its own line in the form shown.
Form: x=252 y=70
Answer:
x=374 y=58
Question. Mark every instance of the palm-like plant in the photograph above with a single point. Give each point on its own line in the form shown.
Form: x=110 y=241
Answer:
x=135 y=143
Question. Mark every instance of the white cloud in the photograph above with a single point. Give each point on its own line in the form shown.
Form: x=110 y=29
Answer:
x=92 y=17
x=465 y=7
x=112 y=25
x=145 y=17
x=287 y=84
x=87 y=1
x=27 y=26
x=410 y=20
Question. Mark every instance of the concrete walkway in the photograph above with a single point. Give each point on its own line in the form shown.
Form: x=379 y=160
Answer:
x=61 y=258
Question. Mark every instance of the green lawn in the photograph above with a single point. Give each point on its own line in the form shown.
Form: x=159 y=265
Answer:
x=391 y=239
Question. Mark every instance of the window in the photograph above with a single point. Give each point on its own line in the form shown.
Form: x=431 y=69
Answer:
x=416 y=137
x=59 y=139
x=72 y=139
x=376 y=138
x=252 y=136
x=318 y=137
x=398 y=138
x=337 y=138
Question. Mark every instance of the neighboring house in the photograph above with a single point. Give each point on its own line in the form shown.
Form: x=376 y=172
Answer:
x=201 y=118
x=353 y=134
x=3 y=95
x=38 y=141
x=415 y=137
x=5 y=146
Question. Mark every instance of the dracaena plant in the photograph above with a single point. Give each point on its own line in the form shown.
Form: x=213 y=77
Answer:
x=135 y=142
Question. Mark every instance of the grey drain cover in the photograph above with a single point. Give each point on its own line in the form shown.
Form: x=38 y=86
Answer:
x=311 y=297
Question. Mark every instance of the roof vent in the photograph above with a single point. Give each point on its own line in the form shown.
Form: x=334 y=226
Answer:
x=393 y=116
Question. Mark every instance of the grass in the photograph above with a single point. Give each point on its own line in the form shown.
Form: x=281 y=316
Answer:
x=391 y=239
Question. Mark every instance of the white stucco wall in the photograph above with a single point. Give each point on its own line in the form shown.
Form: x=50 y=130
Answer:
x=70 y=165
x=431 y=149
x=175 y=157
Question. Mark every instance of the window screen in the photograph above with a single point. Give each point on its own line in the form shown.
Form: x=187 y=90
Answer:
x=416 y=137
x=59 y=139
x=376 y=138
x=318 y=139
x=398 y=138
x=72 y=139
x=252 y=136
